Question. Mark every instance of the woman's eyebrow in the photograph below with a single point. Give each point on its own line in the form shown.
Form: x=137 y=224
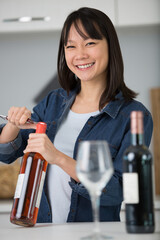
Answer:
x=72 y=41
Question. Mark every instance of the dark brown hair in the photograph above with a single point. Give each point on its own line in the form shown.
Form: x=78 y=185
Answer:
x=97 y=25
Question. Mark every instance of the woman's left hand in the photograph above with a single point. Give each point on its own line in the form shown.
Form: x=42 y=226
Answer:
x=39 y=142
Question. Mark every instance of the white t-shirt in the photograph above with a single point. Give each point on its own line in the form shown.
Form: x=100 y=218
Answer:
x=59 y=191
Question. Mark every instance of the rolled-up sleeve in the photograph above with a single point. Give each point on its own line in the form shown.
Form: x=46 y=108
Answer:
x=8 y=151
x=11 y=147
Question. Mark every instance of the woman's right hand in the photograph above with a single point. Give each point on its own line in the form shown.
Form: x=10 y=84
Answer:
x=17 y=116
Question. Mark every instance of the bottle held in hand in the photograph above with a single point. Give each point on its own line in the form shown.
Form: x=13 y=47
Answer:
x=29 y=186
x=137 y=180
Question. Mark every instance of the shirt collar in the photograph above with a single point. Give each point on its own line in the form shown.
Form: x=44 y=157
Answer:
x=113 y=107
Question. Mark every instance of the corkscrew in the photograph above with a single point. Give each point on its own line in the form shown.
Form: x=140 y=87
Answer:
x=6 y=118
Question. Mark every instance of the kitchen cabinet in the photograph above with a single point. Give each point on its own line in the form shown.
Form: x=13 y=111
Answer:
x=44 y=14
x=138 y=12
x=49 y=15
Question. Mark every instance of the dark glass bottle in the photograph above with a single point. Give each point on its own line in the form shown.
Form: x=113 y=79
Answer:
x=137 y=180
x=29 y=187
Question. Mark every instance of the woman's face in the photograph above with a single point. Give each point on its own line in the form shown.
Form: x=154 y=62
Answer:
x=86 y=58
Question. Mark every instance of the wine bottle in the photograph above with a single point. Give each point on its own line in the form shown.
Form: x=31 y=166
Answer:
x=137 y=180
x=29 y=186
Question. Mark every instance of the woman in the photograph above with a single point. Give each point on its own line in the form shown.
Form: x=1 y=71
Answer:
x=93 y=104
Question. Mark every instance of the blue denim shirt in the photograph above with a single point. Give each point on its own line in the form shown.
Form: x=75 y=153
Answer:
x=111 y=124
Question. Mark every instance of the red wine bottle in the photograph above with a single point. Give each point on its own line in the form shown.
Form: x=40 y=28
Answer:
x=29 y=187
x=137 y=180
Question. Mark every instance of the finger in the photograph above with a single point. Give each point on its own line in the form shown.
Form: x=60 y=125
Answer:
x=28 y=126
x=24 y=115
x=11 y=114
x=35 y=148
x=38 y=136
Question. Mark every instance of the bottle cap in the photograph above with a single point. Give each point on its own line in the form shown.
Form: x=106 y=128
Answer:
x=136 y=114
x=41 y=127
x=136 y=122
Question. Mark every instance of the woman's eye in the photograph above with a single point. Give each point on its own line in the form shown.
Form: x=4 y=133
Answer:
x=90 y=43
x=67 y=47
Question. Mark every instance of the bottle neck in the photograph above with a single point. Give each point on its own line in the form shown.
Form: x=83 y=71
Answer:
x=137 y=136
x=137 y=139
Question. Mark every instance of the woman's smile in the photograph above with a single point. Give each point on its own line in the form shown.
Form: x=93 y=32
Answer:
x=85 y=66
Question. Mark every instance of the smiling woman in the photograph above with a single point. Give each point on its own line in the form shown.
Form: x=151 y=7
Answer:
x=89 y=42
x=93 y=104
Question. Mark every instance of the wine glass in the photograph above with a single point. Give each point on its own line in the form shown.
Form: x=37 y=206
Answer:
x=94 y=169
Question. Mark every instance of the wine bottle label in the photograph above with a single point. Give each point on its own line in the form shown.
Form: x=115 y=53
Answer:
x=19 y=186
x=40 y=189
x=130 y=188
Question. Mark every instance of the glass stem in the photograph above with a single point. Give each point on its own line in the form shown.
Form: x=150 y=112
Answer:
x=95 y=199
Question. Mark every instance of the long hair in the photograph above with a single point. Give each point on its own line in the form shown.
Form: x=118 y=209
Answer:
x=97 y=25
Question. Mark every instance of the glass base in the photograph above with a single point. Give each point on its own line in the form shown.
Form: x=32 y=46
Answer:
x=96 y=237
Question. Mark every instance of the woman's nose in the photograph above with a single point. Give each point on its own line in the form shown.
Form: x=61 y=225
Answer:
x=81 y=53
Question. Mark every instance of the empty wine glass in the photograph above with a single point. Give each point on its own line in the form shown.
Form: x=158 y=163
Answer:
x=94 y=169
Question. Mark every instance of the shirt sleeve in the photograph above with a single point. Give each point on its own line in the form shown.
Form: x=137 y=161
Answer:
x=9 y=148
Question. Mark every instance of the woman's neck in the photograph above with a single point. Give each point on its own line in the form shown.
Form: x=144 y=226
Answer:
x=88 y=98
x=91 y=91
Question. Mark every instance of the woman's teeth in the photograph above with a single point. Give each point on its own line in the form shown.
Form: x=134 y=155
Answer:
x=85 y=66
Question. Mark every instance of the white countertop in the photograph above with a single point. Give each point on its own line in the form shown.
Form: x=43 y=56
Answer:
x=68 y=231
x=5 y=206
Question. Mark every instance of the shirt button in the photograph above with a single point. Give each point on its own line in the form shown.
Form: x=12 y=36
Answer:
x=89 y=123
x=72 y=210
x=54 y=122
x=104 y=190
x=49 y=213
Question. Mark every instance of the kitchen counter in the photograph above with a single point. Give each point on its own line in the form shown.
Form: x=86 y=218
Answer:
x=5 y=206
x=68 y=231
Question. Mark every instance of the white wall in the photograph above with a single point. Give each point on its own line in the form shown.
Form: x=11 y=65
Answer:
x=141 y=52
x=28 y=62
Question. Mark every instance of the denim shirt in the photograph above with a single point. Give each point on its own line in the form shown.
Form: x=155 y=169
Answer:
x=111 y=124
